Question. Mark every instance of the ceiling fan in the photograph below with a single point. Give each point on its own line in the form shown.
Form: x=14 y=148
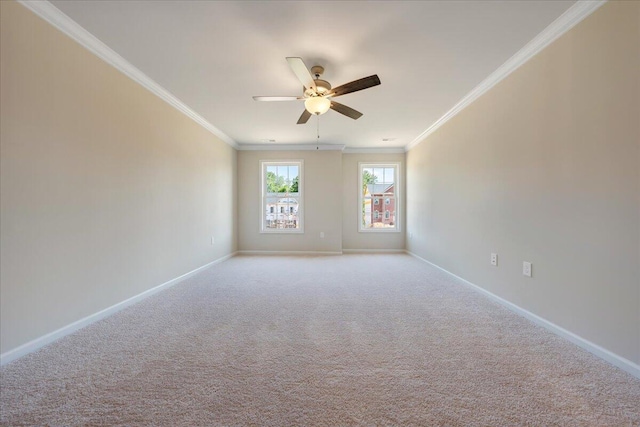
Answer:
x=318 y=93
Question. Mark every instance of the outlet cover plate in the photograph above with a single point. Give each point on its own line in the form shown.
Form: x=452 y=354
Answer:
x=526 y=268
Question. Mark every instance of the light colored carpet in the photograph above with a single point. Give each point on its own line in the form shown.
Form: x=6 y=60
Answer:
x=369 y=340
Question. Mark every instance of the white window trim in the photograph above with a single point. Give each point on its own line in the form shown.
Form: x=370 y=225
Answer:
x=263 y=185
x=397 y=192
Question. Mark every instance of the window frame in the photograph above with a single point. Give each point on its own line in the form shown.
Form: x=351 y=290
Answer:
x=397 y=196
x=263 y=197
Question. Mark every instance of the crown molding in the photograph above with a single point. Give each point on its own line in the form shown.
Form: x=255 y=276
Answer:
x=572 y=16
x=290 y=147
x=47 y=11
x=62 y=22
x=374 y=150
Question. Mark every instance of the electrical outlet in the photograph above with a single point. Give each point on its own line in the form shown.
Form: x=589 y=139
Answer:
x=526 y=268
x=494 y=259
x=322 y=234
x=213 y=241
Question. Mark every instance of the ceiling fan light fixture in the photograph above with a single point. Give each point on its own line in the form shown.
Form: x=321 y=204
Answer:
x=316 y=91
x=317 y=105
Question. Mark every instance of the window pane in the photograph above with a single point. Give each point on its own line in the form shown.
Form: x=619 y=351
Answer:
x=389 y=177
x=293 y=172
x=295 y=182
x=282 y=213
x=289 y=217
x=366 y=212
x=388 y=181
x=367 y=180
x=271 y=210
x=274 y=180
x=389 y=213
x=381 y=215
x=378 y=173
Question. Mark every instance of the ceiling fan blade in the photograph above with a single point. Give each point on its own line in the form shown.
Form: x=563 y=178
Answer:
x=302 y=72
x=277 y=98
x=347 y=111
x=304 y=118
x=356 y=85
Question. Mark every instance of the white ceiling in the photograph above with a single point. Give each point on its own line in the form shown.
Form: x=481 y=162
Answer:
x=215 y=55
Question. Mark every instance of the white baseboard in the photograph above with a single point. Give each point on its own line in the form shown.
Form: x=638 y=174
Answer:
x=40 y=342
x=603 y=353
x=373 y=251
x=288 y=253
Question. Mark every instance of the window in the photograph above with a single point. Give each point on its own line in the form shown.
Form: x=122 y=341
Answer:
x=379 y=181
x=281 y=189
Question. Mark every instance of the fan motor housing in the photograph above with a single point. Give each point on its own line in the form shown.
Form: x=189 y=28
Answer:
x=322 y=87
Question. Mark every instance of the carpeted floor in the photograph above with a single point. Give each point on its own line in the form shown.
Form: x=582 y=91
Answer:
x=353 y=340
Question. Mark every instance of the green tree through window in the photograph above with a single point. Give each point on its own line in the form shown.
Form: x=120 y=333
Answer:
x=277 y=184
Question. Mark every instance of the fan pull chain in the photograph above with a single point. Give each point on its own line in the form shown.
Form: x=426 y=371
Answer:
x=318 y=131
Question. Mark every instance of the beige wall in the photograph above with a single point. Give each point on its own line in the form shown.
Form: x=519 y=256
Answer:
x=322 y=202
x=106 y=191
x=545 y=167
x=351 y=238
x=330 y=203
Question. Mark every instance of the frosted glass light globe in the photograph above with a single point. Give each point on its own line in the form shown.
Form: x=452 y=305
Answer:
x=317 y=105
